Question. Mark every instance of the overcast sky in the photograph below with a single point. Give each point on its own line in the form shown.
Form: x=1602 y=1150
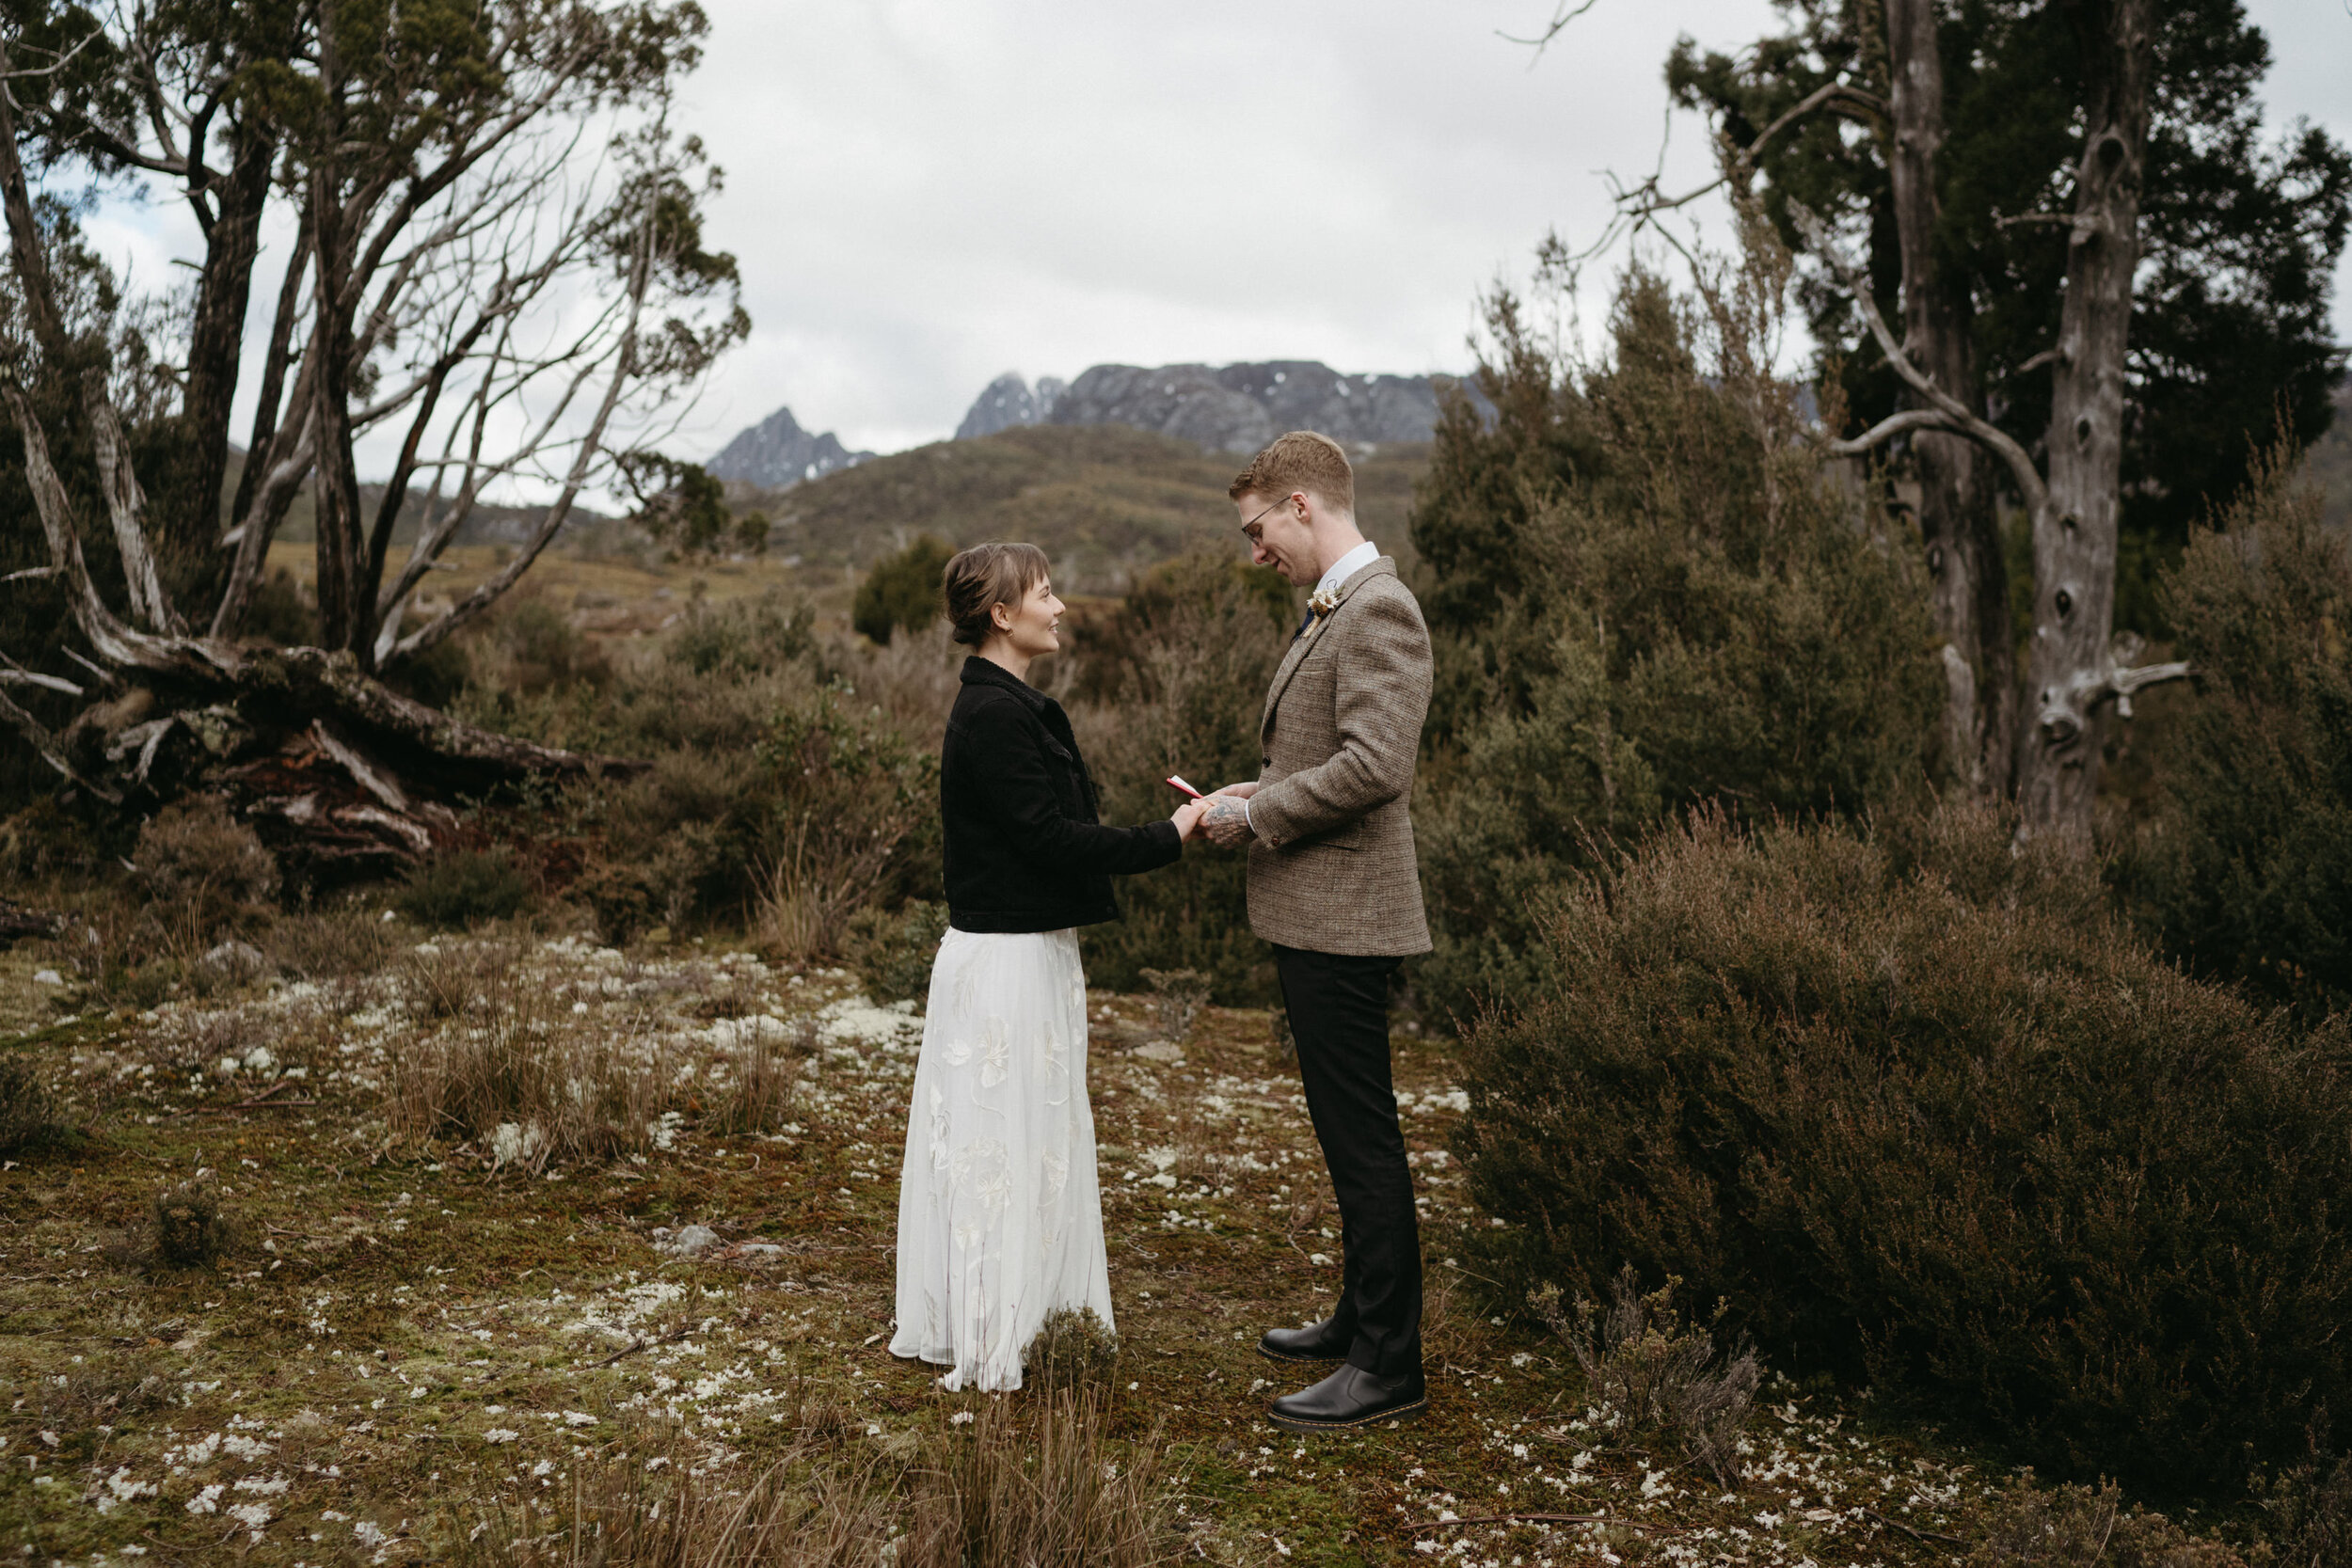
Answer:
x=923 y=195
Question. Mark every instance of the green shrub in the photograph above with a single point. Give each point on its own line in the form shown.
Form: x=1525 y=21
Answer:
x=1913 y=1110
x=2245 y=870
x=746 y=637
x=2077 y=1527
x=464 y=887
x=1646 y=594
x=902 y=590
x=1652 y=1376
x=891 y=950
x=2310 y=1509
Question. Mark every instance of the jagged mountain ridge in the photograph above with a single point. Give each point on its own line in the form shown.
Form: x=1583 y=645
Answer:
x=1009 y=401
x=776 y=454
x=1233 y=408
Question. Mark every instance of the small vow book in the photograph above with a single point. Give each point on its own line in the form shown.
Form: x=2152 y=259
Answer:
x=1175 y=781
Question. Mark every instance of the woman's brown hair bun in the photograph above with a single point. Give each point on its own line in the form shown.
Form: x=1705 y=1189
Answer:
x=980 y=579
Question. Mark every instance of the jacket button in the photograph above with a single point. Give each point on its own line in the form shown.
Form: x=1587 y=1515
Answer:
x=1266 y=762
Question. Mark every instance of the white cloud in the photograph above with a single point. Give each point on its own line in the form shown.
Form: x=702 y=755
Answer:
x=923 y=195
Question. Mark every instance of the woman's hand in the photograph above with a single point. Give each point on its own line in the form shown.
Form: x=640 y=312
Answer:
x=1187 y=819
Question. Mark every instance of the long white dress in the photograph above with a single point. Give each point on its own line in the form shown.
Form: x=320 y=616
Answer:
x=1000 y=1217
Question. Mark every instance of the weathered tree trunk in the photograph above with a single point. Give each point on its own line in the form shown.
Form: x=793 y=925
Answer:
x=2069 y=666
x=1959 y=519
x=190 y=519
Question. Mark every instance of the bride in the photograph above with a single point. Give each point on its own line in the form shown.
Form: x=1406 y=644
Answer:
x=1000 y=1219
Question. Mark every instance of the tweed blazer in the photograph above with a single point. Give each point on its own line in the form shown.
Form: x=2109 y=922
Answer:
x=1331 y=869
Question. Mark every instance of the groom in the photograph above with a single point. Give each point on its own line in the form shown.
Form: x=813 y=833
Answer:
x=1333 y=886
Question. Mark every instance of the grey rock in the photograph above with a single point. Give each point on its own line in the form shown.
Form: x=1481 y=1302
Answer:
x=760 y=1252
x=694 y=1240
x=1009 y=401
x=1239 y=408
x=776 y=454
x=236 y=957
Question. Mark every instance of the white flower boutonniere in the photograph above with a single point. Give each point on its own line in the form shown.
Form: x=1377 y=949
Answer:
x=1323 y=602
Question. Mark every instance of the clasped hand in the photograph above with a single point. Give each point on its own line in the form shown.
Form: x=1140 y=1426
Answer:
x=1221 y=816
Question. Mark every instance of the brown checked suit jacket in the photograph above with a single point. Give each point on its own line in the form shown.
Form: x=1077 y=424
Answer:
x=1331 y=869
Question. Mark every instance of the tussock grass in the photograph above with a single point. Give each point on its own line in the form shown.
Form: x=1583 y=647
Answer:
x=1036 y=1482
x=624 y=1515
x=1074 y=1348
x=514 y=1065
x=1653 y=1374
x=28 y=1113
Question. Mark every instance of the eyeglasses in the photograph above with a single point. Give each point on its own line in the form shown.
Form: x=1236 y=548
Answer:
x=1251 y=531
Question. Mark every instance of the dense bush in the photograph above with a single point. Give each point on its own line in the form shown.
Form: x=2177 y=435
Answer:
x=1917 y=1111
x=2245 y=870
x=464 y=887
x=902 y=591
x=1647 y=594
x=1175 y=681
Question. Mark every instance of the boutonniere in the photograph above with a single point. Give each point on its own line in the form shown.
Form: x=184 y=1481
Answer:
x=1322 y=603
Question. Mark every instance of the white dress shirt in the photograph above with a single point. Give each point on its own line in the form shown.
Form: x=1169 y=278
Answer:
x=1340 y=571
x=1348 y=567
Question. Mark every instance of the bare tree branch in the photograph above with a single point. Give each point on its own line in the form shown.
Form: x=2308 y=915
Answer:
x=1958 y=418
x=45 y=746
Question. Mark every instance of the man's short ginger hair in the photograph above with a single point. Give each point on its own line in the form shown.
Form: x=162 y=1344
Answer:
x=1300 y=461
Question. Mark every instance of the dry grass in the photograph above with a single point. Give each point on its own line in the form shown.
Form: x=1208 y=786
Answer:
x=1037 y=1484
x=512 y=1066
x=803 y=1511
x=1651 y=1373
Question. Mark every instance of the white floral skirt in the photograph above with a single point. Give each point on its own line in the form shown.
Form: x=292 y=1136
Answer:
x=1000 y=1218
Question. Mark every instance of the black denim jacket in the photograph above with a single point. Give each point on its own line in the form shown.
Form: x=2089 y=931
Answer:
x=1025 y=849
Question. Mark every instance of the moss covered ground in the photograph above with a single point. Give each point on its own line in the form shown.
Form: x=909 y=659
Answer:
x=405 y=1340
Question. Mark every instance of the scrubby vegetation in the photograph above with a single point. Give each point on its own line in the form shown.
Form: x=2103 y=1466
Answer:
x=1759 y=1042
x=1915 y=1110
x=2244 y=869
x=1647 y=595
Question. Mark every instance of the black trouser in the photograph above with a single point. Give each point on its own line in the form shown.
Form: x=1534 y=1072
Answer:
x=1339 y=1012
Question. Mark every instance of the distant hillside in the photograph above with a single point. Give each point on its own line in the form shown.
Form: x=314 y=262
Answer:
x=776 y=454
x=1234 y=408
x=2328 y=464
x=1106 y=502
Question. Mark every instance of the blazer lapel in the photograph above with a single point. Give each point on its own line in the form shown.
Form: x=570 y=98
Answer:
x=1301 y=646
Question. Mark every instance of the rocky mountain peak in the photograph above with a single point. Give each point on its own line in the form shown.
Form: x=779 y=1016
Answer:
x=1010 y=401
x=776 y=454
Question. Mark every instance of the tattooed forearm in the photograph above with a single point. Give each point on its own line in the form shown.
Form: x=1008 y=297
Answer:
x=1226 y=820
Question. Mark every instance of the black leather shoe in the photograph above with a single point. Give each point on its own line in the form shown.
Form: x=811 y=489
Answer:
x=1351 y=1397
x=1314 y=1343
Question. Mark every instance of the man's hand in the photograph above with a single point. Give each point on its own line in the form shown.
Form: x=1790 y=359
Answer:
x=1226 y=820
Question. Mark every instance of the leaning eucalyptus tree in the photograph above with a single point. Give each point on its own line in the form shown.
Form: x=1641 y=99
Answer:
x=493 y=263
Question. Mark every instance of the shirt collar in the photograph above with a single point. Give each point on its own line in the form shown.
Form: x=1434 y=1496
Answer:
x=1348 y=567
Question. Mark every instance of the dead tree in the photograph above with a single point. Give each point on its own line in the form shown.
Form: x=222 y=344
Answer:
x=497 y=257
x=2074 y=676
x=1959 y=517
